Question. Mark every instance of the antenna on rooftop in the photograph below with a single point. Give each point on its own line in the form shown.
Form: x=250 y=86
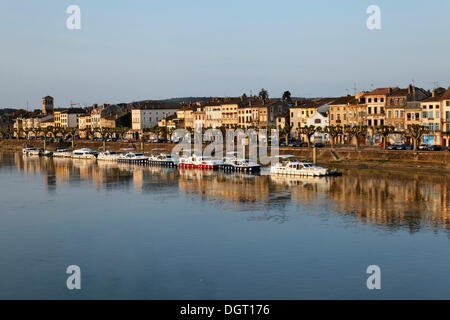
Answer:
x=73 y=104
x=354 y=88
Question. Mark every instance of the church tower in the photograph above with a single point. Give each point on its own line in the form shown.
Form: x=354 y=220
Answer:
x=47 y=105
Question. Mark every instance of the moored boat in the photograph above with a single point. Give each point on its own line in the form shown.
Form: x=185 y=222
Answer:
x=162 y=159
x=62 y=153
x=233 y=163
x=200 y=162
x=132 y=157
x=108 y=156
x=84 y=153
x=28 y=149
x=289 y=165
x=35 y=152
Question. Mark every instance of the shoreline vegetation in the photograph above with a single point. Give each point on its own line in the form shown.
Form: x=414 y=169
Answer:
x=341 y=157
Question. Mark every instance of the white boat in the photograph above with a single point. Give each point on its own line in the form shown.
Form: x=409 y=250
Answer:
x=233 y=163
x=62 y=153
x=201 y=162
x=132 y=157
x=163 y=159
x=84 y=153
x=108 y=156
x=28 y=149
x=289 y=165
x=35 y=152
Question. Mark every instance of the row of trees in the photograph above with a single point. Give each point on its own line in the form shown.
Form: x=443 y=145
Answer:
x=357 y=132
x=414 y=131
x=66 y=134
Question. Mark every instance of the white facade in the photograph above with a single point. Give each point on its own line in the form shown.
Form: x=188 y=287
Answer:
x=318 y=120
x=148 y=118
x=213 y=116
x=69 y=120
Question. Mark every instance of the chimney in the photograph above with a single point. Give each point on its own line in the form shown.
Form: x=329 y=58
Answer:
x=390 y=91
x=433 y=93
x=410 y=89
x=296 y=103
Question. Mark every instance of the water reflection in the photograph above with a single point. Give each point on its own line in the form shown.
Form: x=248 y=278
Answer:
x=384 y=199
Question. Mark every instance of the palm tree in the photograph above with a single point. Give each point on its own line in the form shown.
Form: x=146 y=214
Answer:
x=357 y=132
x=286 y=130
x=104 y=133
x=308 y=131
x=333 y=132
x=385 y=131
x=27 y=133
x=17 y=131
x=48 y=131
x=416 y=131
x=121 y=131
x=346 y=133
x=72 y=132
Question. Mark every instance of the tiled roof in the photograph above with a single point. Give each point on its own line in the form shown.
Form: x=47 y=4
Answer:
x=344 y=100
x=446 y=95
x=381 y=91
x=436 y=98
x=157 y=105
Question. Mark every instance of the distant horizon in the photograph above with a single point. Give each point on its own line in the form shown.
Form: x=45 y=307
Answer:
x=32 y=108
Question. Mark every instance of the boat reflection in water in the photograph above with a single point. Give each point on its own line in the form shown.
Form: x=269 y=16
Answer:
x=388 y=200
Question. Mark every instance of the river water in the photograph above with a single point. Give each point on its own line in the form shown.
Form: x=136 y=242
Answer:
x=159 y=233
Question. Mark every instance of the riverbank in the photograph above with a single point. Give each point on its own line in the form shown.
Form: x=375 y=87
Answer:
x=340 y=157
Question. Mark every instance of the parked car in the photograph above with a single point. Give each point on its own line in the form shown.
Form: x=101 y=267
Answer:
x=392 y=147
x=298 y=144
x=409 y=147
x=401 y=146
x=423 y=147
x=434 y=148
x=163 y=140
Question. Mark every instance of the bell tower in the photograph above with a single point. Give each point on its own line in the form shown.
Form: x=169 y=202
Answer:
x=47 y=105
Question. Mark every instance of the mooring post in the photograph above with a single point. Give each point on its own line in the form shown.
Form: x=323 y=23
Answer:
x=314 y=155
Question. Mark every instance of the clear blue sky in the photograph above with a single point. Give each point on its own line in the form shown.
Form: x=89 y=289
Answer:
x=133 y=50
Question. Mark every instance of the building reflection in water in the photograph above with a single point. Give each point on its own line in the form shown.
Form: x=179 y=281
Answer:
x=393 y=200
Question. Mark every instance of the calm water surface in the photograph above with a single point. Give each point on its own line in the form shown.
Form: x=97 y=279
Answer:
x=158 y=233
